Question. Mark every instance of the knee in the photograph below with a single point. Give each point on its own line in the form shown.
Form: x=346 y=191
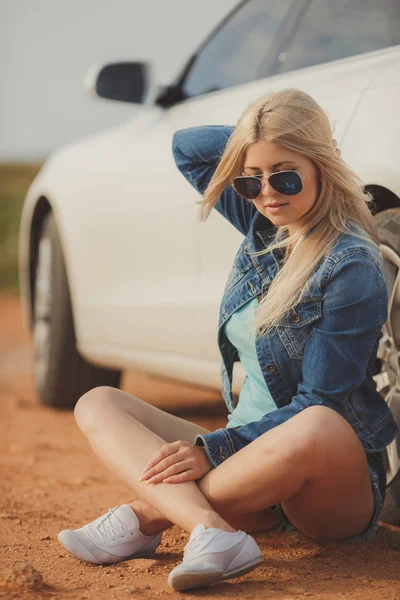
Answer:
x=320 y=430
x=310 y=434
x=91 y=406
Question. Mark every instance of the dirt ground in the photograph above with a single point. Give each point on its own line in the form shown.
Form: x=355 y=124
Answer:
x=50 y=480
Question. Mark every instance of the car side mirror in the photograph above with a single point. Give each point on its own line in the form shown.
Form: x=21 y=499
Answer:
x=123 y=81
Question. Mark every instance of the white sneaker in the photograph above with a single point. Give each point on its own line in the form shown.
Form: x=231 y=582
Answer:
x=213 y=555
x=110 y=539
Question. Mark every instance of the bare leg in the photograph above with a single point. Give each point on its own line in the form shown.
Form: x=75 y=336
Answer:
x=170 y=428
x=152 y=521
x=324 y=485
x=125 y=445
x=314 y=464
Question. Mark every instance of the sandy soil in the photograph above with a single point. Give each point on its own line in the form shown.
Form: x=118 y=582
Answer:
x=50 y=480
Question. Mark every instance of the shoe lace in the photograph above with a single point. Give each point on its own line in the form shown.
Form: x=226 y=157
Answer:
x=110 y=525
x=194 y=544
x=190 y=548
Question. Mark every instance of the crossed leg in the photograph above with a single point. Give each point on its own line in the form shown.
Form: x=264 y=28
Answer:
x=314 y=464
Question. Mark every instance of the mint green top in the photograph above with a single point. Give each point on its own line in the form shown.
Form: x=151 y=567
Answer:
x=255 y=399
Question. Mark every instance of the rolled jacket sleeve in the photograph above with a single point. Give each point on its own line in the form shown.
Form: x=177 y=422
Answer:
x=197 y=151
x=336 y=355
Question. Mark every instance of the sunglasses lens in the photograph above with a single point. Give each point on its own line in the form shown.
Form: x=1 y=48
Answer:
x=247 y=187
x=287 y=183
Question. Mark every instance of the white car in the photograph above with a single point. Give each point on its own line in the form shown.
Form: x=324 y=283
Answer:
x=116 y=270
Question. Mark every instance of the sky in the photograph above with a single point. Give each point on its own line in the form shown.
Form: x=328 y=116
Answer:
x=47 y=47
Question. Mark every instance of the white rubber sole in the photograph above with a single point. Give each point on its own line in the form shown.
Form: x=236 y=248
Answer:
x=195 y=579
x=78 y=551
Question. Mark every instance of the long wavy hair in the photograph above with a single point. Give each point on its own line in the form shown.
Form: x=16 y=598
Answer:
x=295 y=120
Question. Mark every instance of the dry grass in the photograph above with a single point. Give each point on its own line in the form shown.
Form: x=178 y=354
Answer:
x=14 y=183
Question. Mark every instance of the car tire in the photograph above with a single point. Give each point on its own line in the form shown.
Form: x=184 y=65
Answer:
x=61 y=374
x=388 y=378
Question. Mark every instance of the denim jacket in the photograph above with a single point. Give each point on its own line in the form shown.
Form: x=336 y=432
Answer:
x=324 y=351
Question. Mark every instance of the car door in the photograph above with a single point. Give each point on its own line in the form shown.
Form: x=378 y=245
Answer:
x=135 y=263
x=233 y=56
x=155 y=290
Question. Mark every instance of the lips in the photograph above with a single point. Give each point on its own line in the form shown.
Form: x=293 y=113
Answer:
x=276 y=205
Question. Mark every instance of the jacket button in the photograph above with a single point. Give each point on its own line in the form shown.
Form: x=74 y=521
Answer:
x=221 y=454
x=296 y=318
x=271 y=368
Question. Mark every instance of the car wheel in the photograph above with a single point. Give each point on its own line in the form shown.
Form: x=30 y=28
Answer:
x=388 y=379
x=61 y=374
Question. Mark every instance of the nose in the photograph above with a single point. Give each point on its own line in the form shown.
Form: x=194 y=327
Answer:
x=266 y=189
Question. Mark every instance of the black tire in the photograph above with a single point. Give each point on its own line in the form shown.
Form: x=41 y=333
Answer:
x=388 y=224
x=61 y=374
x=391 y=509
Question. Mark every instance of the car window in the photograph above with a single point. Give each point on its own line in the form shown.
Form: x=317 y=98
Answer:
x=330 y=30
x=239 y=48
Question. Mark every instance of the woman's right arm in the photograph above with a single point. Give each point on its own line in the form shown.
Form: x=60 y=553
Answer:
x=197 y=151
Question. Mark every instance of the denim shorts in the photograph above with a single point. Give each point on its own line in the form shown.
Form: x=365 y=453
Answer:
x=377 y=475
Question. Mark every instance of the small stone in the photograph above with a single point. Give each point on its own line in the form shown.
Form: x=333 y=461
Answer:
x=147 y=587
x=47 y=537
x=295 y=590
x=21 y=576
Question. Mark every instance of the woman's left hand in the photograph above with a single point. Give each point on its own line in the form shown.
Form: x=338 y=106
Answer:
x=337 y=150
x=175 y=463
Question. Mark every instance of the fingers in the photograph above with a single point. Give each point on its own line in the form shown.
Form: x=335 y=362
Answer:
x=337 y=150
x=175 y=463
x=189 y=475
x=165 y=457
x=175 y=469
x=162 y=466
x=162 y=453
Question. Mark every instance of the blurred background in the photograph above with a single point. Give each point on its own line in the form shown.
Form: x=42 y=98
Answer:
x=46 y=49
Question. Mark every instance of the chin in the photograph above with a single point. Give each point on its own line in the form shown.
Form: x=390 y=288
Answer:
x=277 y=219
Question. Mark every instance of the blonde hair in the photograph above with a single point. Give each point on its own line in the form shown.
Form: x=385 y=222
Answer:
x=295 y=120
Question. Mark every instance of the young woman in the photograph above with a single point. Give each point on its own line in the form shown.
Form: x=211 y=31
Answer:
x=302 y=310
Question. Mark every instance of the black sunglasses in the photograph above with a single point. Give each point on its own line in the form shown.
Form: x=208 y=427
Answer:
x=288 y=183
